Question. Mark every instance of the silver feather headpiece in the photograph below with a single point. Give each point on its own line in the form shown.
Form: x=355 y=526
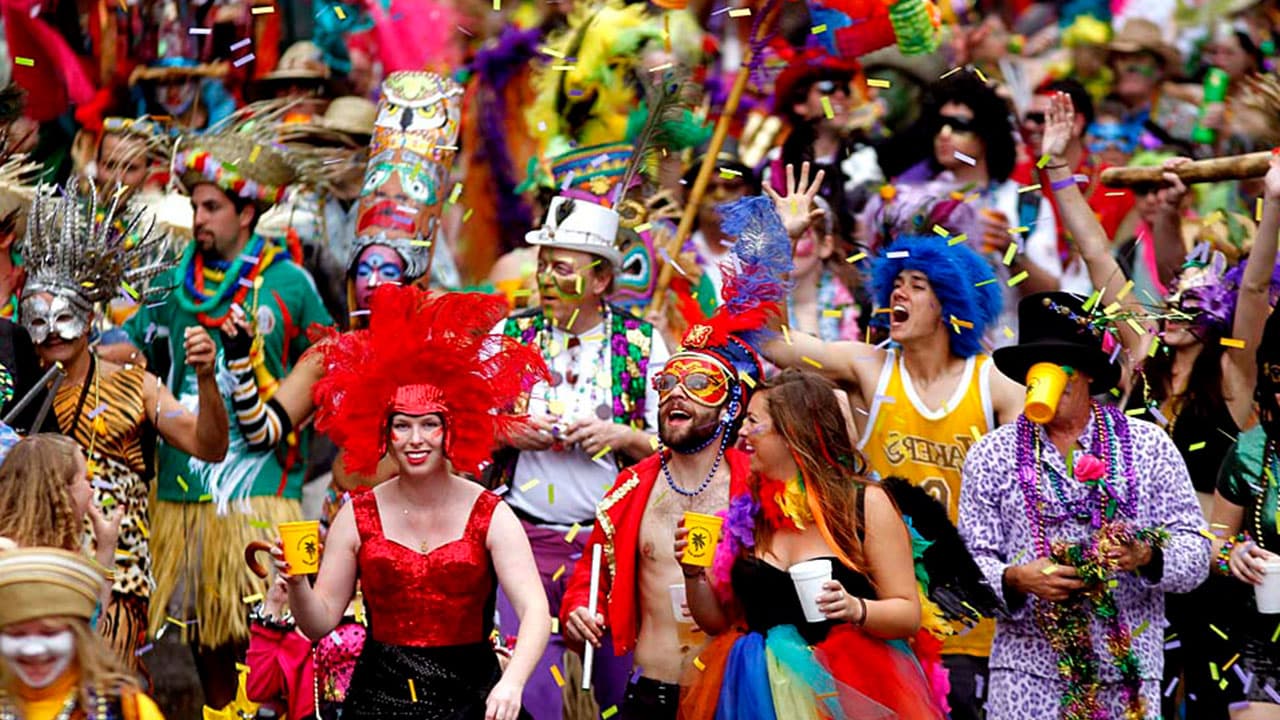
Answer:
x=91 y=251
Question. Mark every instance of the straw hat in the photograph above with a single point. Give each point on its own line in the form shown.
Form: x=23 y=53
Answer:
x=242 y=155
x=46 y=582
x=303 y=60
x=348 y=120
x=1139 y=35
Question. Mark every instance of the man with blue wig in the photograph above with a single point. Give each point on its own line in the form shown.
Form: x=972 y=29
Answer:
x=923 y=399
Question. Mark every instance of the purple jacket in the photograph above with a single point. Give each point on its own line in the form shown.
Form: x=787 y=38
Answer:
x=995 y=526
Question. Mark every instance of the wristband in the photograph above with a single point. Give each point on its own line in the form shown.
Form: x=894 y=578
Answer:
x=1059 y=166
x=1223 y=559
x=258 y=616
x=862 y=619
x=1063 y=184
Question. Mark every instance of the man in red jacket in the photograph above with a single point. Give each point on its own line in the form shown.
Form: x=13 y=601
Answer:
x=703 y=393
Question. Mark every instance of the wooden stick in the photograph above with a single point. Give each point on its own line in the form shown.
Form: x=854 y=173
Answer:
x=708 y=165
x=1232 y=167
x=589 y=654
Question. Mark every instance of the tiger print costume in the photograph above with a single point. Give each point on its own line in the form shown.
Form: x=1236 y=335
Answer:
x=107 y=417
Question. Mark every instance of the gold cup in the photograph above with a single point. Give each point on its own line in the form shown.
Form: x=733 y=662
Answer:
x=704 y=535
x=1045 y=383
x=301 y=541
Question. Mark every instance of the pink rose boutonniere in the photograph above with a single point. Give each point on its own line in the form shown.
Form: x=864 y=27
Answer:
x=1089 y=468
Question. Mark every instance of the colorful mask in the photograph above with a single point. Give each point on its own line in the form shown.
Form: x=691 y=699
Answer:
x=414 y=141
x=703 y=380
x=63 y=317
x=635 y=279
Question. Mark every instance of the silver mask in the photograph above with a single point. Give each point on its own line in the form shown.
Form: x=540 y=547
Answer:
x=61 y=317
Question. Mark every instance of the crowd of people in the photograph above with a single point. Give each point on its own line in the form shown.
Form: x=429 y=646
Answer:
x=833 y=359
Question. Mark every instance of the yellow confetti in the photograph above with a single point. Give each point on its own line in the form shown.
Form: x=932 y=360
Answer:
x=1142 y=628
x=1136 y=326
x=262 y=10
x=878 y=83
x=560 y=68
x=653 y=443
x=175 y=621
x=1196 y=446
x=1128 y=285
x=182 y=484
x=1231 y=662
x=127 y=287
x=609 y=712
x=832 y=313
x=1213 y=670
x=949 y=73
x=941 y=231
x=1257 y=211
x=984 y=282
x=1111 y=309
x=603 y=451
x=740 y=12
x=697 y=662
x=555 y=626
x=1017 y=278
x=250 y=599
x=530 y=484
x=961 y=323
x=1019 y=230
x=467 y=215
x=729 y=173
x=811 y=361
x=826 y=107
x=1093 y=300
x=551 y=494
x=786 y=335
x=643 y=227
x=1029 y=188
x=1010 y=253
x=497 y=5
x=1007 y=332
x=1276 y=635
x=572 y=318
x=1218 y=632
x=573 y=532
x=973 y=430
x=1134 y=412
x=957 y=239
x=25 y=62
x=1208 y=534
x=545 y=50
x=142 y=528
x=556 y=575
x=413 y=692
x=455 y=193
x=337 y=10
x=1049 y=569
x=746 y=379
x=555 y=673
x=856 y=257
x=1044 y=160
x=817 y=29
x=1232 y=343
x=978 y=72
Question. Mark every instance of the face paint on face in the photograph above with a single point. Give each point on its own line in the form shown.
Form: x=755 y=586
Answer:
x=177 y=97
x=417 y=442
x=47 y=316
x=38 y=659
x=378 y=265
x=702 y=381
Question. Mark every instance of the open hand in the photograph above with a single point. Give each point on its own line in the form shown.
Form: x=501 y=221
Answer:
x=1059 y=125
x=796 y=208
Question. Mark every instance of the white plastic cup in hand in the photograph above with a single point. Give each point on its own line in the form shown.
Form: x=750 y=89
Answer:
x=678 y=599
x=1268 y=593
x=809 y=577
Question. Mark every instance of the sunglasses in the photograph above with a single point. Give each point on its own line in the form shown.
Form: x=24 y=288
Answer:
x=703 y=381
x=1033 y=118
x=957 y=124
x=831 y=87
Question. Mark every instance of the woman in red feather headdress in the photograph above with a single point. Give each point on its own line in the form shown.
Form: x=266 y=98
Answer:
x=425 y=385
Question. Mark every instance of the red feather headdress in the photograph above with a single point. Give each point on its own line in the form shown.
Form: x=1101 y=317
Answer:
x=418 y=341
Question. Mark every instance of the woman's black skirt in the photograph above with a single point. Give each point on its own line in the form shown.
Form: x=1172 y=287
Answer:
x=449 y=683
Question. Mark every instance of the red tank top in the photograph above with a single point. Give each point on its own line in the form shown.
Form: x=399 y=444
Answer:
x=444 y=597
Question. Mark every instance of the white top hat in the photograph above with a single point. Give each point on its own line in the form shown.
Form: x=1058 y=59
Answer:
x=579 y=225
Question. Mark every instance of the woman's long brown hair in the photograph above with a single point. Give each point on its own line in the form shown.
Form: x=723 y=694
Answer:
x=805 y=412
x=35 y=493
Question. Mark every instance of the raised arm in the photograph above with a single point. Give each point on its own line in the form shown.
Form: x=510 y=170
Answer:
x=518 y=575
x=1240 y=372
x=1083 y=226
x=205 y=434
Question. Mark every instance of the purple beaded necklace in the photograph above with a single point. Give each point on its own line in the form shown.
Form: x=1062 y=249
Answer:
x=1103 y=500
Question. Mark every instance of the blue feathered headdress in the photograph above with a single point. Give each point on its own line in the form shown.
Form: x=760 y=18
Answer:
x=958 y=276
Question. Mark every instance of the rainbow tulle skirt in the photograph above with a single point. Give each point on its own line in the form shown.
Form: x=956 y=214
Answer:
x=777 y=676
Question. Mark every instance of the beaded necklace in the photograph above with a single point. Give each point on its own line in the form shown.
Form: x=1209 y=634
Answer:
x=68 y=708
x=1067 y=625
x=583 y=392
x=1270 y=469
x=199 y=300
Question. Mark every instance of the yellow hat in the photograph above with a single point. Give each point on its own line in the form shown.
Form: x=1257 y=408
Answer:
x=46 y=582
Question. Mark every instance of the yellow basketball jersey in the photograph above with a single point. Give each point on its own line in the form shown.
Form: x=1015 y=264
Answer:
x=928 y=447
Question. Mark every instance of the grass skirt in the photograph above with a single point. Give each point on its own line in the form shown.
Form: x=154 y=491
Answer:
x=778 y=677
x=199 y=566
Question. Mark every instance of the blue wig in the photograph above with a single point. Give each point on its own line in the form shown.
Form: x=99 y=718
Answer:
x=955 y=272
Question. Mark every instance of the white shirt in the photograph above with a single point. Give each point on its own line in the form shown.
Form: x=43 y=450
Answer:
x=563 y=486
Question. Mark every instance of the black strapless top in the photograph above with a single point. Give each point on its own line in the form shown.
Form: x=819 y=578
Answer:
x=769 y=597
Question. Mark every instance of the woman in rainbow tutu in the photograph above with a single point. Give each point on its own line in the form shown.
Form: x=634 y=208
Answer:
x=808 y=501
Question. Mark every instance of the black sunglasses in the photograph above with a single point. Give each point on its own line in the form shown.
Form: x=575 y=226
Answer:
x=831 y=86
x=1036 y=118
x=956 y=123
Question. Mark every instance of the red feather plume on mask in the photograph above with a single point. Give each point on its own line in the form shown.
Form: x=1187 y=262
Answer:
x=415 y=337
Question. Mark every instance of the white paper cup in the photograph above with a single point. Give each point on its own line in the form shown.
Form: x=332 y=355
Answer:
x=1268 y=593
x=809 y=577
x=678 y=598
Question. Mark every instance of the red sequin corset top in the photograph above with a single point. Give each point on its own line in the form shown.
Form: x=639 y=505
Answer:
x=444 y=597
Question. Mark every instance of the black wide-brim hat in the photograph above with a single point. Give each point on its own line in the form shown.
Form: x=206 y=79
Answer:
x=1055 y=328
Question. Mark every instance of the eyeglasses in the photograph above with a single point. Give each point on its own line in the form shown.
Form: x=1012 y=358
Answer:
x=957 y=124
x=1034 y=118
x=1143 y=69
x=704 y=382
x=831 y=87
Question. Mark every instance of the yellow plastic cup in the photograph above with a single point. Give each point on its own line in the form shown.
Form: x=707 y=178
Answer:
x=1045 y=383
x=704 y=535
x=301 y=541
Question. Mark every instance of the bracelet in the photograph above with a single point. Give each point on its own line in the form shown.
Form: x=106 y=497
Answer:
x=108 y=573
x=1055 y=167
x=258 y=616
x=862 y=619
x=1063 y=184
x=1223 y=559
